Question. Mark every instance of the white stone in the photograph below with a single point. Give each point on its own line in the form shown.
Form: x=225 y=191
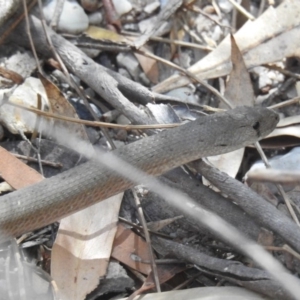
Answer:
x=73 y=19
x=150 y=8
x=130 y=63
x=287 y=162
x=122 y=7
x=225 y=6
x=95 y=18
x=19 y=120
x=186 y=94
x=22 y=63
x=264 y=80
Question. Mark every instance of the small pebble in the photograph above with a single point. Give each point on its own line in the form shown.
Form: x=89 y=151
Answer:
x=90 y=5
x=95 y=18
x=225 y=6
x=209 y=9
x=124 y=73
x=123 y=120
x=122 y=7
x=73 y=19
x=96 y=110
x=91 y=52
x=130 y=63
x=121 y=135
x=131 y=27
x=152 y=7
x=186 y=94
x=90 y=92
x=144 y=79
x=17 y=120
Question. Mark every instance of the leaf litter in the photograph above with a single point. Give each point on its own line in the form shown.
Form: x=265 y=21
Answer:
x=270 y=38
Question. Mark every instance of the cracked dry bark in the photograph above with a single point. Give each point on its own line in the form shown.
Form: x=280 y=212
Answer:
x=253 y=279
x=253 y=204
x=158 y=209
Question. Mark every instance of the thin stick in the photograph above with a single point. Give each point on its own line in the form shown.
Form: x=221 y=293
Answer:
x=57 y=13
x=295 y=100
x=44 y=162
x=70 y=80
x=279 y=186
x=15 y=24
x=93 y=123
x=242 y=10
x=30 y=37
x=148 y=240
x=261 y=7
x=284 y=72
x=200 y=11
x=171 y=41
x=134 y=225
x=285 y=248
x=187 y=73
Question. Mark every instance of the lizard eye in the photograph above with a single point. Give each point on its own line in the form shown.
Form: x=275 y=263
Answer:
x=256 y=126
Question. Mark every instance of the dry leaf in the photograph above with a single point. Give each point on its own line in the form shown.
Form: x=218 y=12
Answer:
x=15 y=172
x=164 y=273
x=61 y=106
x=149 y=67
x=286 y=134
x=239 y=90
x=82 y=248
x=11 y=75
x=131 y=249
x=265 y=40
x=165 y=13
x=101 y=34
x=289 y=121
x=228 y=162
x=158 y=225
x=18 y=120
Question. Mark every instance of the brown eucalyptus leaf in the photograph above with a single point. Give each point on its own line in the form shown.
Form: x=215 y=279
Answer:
x=239 y=90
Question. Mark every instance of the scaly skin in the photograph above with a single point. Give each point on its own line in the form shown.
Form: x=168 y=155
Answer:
x=54 y=198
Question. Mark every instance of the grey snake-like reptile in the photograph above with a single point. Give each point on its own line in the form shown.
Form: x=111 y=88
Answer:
x=54 y=198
